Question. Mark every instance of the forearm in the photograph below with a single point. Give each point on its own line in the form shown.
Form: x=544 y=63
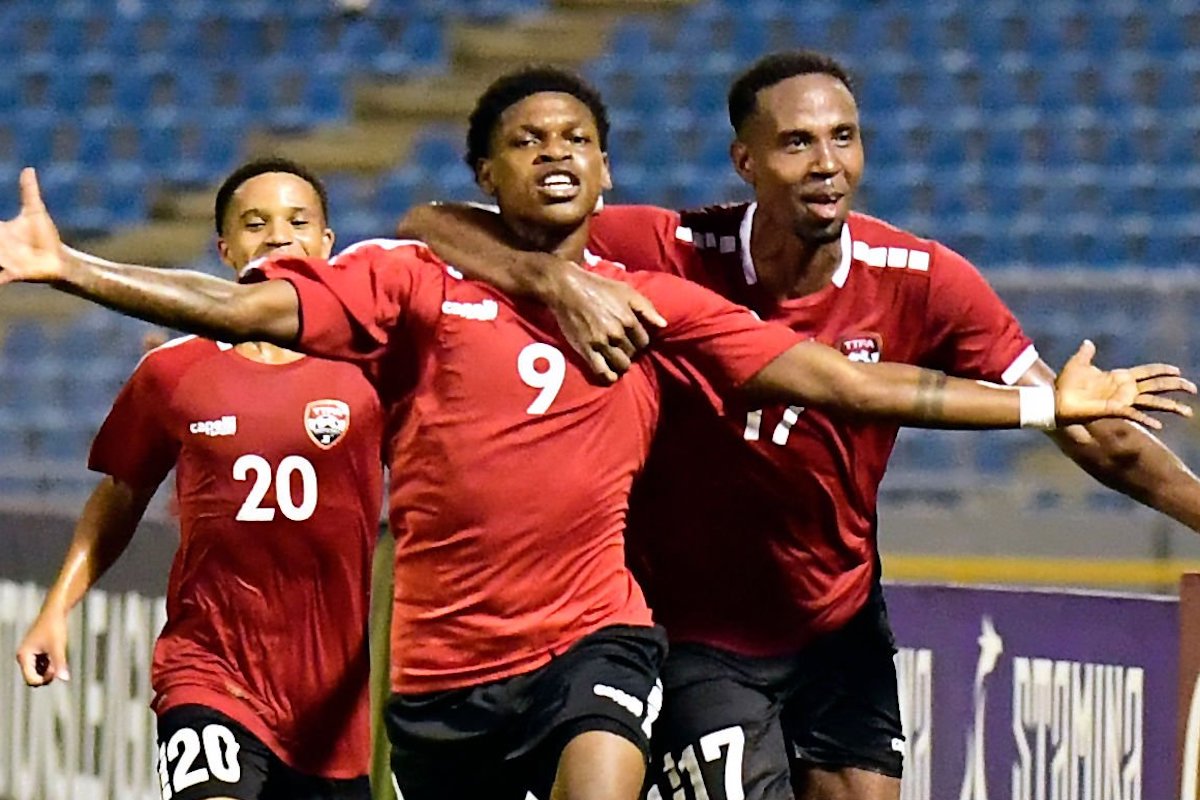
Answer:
x=925 y=398
x=185 y=300
x=813 y=375
x=1131 y=460
x=477 y=242
x=103 y=532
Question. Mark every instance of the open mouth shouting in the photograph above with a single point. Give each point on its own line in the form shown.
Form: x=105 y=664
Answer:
x=558 y=185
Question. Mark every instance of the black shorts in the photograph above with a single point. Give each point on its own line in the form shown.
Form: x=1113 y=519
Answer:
x=503 y=739
x=202 y=753
x=754 y=724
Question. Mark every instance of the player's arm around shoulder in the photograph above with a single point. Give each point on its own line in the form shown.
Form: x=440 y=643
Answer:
x=605 y=321
x=1126 y=457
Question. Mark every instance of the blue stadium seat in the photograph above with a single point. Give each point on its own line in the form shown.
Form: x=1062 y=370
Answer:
x=25 y=341
x=438 y=150
x=422 y=45
x=920 y=451
x=708 y=89
x=394 y=193
x=630 y=41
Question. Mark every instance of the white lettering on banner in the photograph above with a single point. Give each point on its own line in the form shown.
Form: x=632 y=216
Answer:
x=914 y=676
x=1078 y=730
x=92 y=738
x=991 y=646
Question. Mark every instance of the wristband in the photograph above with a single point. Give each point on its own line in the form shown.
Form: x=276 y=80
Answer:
x=1038 y=407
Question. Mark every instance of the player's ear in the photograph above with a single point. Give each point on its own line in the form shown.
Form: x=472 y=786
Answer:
x=327 y=240
x=742 y=160
x=606 y=174
x=483 y=177
x=223 y=251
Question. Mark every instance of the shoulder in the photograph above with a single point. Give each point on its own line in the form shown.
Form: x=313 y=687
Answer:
x=718 y=234
x=179 y=354
x=715 y=226
x=666 y=290
x=373 y=248
x=637 y=215
x=877 y=243
x=700 y=228
x=160 y=370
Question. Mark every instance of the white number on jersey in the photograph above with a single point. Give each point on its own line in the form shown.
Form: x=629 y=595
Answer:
x=253 y=511
x=734 y=739
x=782 y=431
x=728 y=741
x=220 y=753
x=549 y=380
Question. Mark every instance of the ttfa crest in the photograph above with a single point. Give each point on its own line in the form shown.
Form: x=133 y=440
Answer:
x=865 y=348
x=326 y=421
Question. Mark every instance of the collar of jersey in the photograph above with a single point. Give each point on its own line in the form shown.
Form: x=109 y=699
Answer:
x=839 y=276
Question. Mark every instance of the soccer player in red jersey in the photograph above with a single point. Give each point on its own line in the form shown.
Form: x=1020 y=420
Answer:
x=260 y=674
x=524 y=655
x=755 y=532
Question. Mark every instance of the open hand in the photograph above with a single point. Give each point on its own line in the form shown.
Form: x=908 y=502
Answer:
x=604 y=320
x=30 y=248
x=1085 y=393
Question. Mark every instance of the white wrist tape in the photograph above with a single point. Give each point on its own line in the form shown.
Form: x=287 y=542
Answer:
x=1037 y=407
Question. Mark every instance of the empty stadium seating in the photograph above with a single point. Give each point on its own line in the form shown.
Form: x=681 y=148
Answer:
x=1060 y=136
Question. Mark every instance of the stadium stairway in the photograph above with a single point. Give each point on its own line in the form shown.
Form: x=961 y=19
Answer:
x=387 y=116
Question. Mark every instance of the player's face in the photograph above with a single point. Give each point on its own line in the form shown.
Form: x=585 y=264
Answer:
x=274 y=212
x=545 y=166
x=802 y=152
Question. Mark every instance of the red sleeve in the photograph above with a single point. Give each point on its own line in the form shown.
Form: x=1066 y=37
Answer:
x=352 y=305
x=641 y=238
x=134 y=444
x=708 y=340
x=972 y=332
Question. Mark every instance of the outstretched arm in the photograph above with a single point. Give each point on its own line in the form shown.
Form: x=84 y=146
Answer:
x=31 y=251
x=815 y=375
x=108 y=522
x=183 y=299
x=1128 y=458
x=605 y=321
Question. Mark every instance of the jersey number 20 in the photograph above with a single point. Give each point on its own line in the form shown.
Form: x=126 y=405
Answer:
x=253 y=510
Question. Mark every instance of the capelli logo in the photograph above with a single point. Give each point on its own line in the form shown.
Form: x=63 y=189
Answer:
x=225 y=426
x=484 y=311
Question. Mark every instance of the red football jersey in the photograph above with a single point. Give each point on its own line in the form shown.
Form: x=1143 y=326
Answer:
x=510 y=470
x=280 y=481
x=756 y=530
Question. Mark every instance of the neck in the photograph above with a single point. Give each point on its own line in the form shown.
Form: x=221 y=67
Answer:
x=266 y=353
x=787 y=265
x=565 y=242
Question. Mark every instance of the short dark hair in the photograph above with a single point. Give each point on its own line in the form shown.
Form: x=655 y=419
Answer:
x=261 y=166
x=515 y=86
x=770 y=70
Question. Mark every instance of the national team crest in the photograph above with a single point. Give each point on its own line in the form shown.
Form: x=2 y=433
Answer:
x=326 y=422
x=865 y=348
